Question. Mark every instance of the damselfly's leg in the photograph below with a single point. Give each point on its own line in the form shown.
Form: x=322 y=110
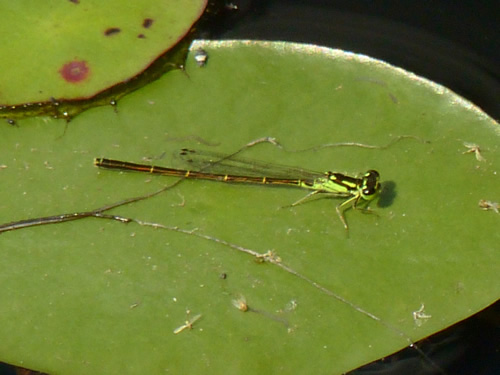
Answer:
x=353 y=201
x=306 y=198
x=340 y=209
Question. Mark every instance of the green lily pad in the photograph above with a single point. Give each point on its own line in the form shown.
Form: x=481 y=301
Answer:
x=101 y=296
x=76 y=49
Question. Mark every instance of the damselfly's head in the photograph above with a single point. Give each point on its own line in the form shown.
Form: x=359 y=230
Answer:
x=370 y=185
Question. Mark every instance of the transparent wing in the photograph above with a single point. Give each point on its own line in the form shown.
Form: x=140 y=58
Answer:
x=213 y=162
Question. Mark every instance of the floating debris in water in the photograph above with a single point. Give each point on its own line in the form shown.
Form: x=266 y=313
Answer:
x=201 y=57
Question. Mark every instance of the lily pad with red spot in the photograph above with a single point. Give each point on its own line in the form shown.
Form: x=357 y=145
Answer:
x=76 y=49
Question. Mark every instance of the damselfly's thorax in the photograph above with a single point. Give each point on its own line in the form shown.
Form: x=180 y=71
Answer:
x=366 y=187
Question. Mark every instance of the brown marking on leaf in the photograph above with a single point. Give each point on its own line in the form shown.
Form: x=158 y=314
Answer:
x=141 y=36
x=75 y=71
x=75 y=1
x=112 y=31
x=147 y=23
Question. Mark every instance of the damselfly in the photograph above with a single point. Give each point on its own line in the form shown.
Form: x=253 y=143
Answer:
x=354 y=189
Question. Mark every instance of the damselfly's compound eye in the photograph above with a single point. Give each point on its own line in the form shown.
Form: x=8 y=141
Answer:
x=368 y=192
x=371 y=185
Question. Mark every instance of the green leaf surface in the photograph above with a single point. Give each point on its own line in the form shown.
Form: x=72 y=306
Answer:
x=75 y=49
x=100 y=296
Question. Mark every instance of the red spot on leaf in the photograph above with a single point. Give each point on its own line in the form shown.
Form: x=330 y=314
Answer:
x=112 y=31
x=75 y=71
x=147 y=22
